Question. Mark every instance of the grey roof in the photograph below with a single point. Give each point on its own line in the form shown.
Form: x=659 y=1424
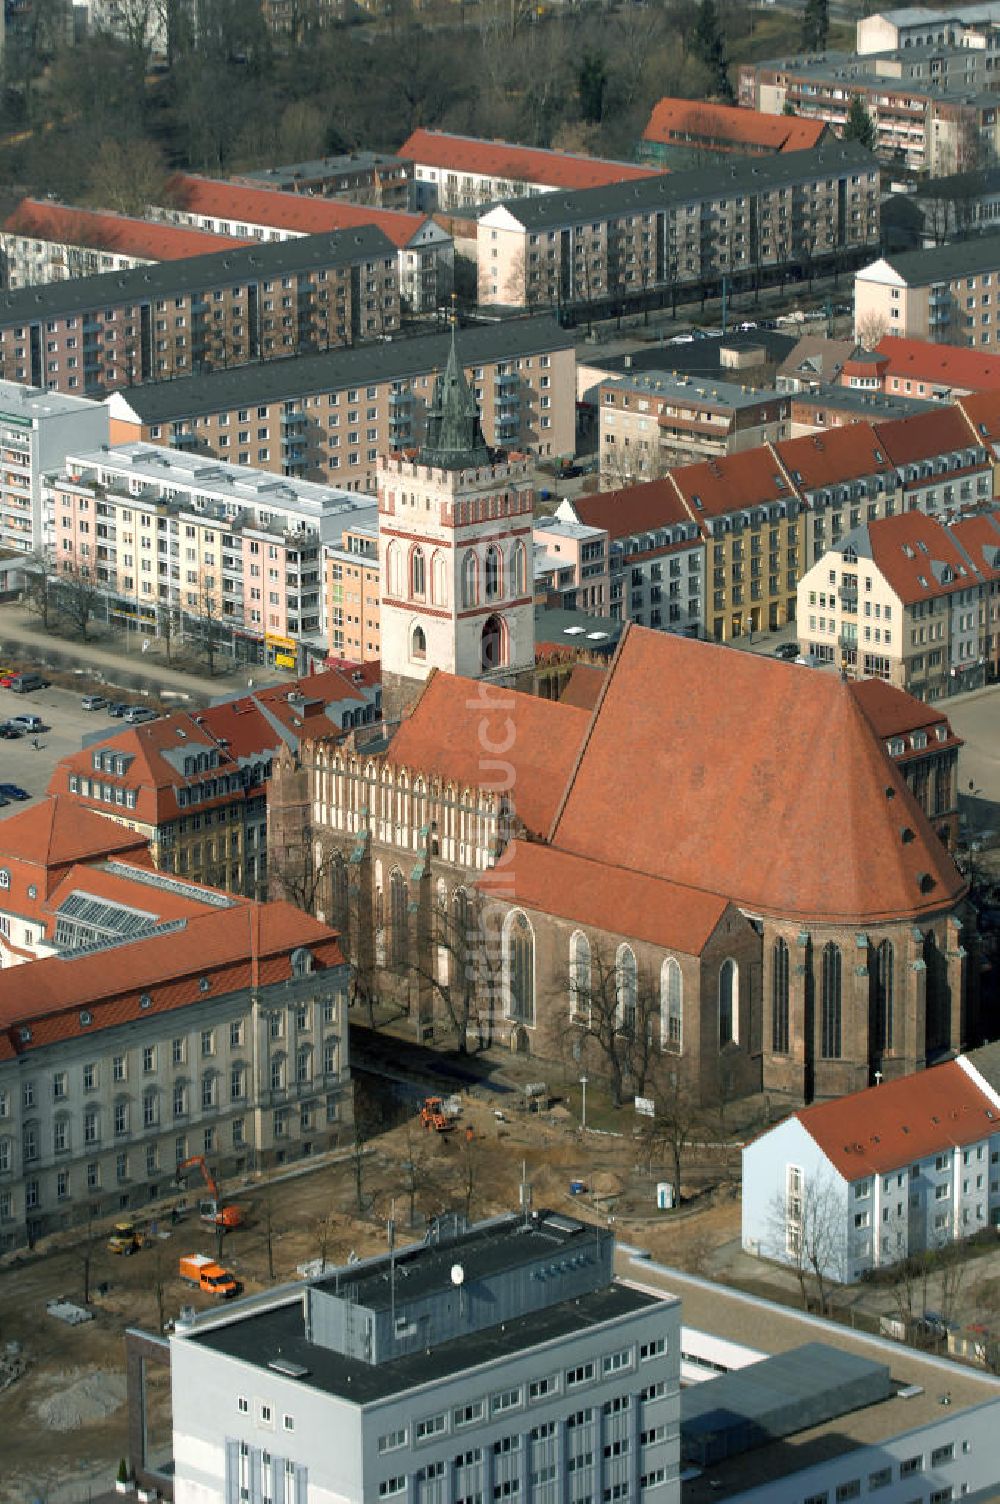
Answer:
x=742 y=174
x=962 y=185
x=576 y=629
x=323 y=167
x=987 y=1062
x=259 y=1337
x=700 y=357
x=776 y=1397
x=165 y=279
x=941 y=263
x=878 y=406
x=304 y=375
x=724 y=394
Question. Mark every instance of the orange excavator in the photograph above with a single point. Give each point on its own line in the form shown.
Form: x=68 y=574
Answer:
x=433 y=1115
x=210 y=1208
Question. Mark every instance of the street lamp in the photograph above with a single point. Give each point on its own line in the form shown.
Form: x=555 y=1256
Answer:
x=583 y=1114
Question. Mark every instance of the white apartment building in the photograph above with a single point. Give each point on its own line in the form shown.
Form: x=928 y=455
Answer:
x=174 y=537
x=911 y=599
x=37 y=431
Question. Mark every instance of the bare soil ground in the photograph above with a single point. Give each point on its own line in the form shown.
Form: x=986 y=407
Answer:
x=64 y=1423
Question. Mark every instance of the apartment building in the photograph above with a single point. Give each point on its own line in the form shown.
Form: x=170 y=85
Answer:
x=935 y=109
x=425 y=252
x=649 y=422
x=169 y=1021
x=690 y=132
x=353 y=590
x=747 y=219
x=357 y=177
x=571 y=563
x=47 y=242
x=196 y=786
x=905 y=1167
x=99 y=334
x=465 y=172
x=947 y=293
x=936 y=371
x=911 y=599
x=909 y=26
x=843 y=477
x=179 y=545
x=956 y=205
x=829 y=407
x=37 y=430
x=551 y=1380
x=330 y=417
x=655 y=564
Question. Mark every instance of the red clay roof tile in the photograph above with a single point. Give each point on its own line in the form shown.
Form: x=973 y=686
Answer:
x=924 y=436
x=632 y=509
x=298 y=212
x=527 y=164
x=952 y=365
x=673 y=121
x=687 y=734
x=836 y=455
x=583 y=686
x=65 y=224
x=888 y=1126
x=911 y=549
x=57 y=831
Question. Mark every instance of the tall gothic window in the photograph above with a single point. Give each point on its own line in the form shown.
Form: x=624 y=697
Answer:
x=439 y=579
x=418 y=643
x=626 y=989
x=884 y=983
x=671 y=1005
x=779 y=998
x=520 y=967
x=418 y=574
x=492 y=573
x=831 y=1003
x=579 y=977
x=398 y=918
x=338 y=893
x=393 y=569
x=518 y=568
x=728 y=1003
x=470 y=580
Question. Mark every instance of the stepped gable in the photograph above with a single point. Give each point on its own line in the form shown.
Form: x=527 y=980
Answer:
x=751 y=777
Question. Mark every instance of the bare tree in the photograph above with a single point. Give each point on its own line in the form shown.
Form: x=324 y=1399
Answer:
x=871 y=329
x=807 y=1226
x=77 y=592
x=40 y=591
x=459 y=969
x=615 y=1005
x=677 y=1117
x=128 y=176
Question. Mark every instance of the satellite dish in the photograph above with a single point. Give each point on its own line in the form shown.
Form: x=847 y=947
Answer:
x=457 y=1274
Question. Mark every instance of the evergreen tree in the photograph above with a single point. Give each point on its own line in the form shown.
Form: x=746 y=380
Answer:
x=860 y=126
x=816 y=25
x=709 y=46
x=592 y=81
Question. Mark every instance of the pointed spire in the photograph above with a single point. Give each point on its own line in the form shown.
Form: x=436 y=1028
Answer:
x=454 y=433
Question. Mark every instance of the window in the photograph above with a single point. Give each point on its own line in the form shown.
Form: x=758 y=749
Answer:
x=884 y=995
x=626 y=990
x=243 y=1405
x=431 y=1425
x=418 y=643
x=393 y=1440
x=288 y=1423
x=468 y=1415
x=654 y=1349
x=728 y=1003
x=121 y=1119
x=506 y=1399
x=880 y=1479
x=207 y=1042
x=617 y=1362
x=579 y=976
x=542 y=1388
x=148 y=1059
x=118 y=1068
x=519 y=966
x=910 y=1465
x=236 y=1034
x=418 y=575
x=470 y=580
x=779 y=997
x=389 y=1487
x=830 y=1019
x=59 y=1086
x=582 y=1374
x=942 y=1454
x=671 y=1005
x=492 y=573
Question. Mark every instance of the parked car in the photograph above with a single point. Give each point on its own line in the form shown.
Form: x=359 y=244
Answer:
x=136 y=715
x=117 y=708
x=9 y=732
x=26 y=684
x=13 y=791
x=787 y=650
x=28 y=723
x=93 y=702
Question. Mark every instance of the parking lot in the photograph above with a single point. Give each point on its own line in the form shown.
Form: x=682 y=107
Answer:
x=60 y=709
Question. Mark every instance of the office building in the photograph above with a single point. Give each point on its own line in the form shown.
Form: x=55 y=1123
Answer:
x=37 y=430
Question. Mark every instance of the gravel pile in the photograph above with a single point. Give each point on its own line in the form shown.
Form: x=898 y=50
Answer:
x=83 y=1400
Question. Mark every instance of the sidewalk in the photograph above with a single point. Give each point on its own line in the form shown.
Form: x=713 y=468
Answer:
x=105 y=659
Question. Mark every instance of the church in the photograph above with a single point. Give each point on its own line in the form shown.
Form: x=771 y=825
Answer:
x=697 y=865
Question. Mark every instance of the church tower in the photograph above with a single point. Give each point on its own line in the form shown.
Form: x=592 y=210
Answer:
x=455 y=555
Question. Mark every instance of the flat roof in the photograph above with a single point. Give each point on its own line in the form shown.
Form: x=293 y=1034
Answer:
x=27 y=402
x=694 y=357
x=303 y=375
x=770 y=1328
x=661 y=383
x=876 y=405
x=167 y=279
x=260 y=1336
x=353 y=161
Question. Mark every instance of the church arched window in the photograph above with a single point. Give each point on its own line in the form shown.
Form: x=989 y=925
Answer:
x=579 y=977
x=470 y=580
x=519 y=966
x=519 y=568
x=418 y=574
x=779 y=997
x=729 y=996
x=671 y=1005
x=626 y=989
x=831 y=1003
x=439 y=579
x=493 y=573
x=392 y=569
x=418 y=643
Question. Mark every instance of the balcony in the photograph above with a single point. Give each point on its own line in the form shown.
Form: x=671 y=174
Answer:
x=294 y=422
x=506 y=384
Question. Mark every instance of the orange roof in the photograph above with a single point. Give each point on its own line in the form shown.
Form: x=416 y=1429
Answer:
x=467 y=733
x=113 y=232
x=128 y=885
x=681 y=121
x=225 y=946
x=884 y=1127
x=614 y=899
x=826 y=459
x=979 y=535
x=952 y=365
x=892 y=712
x=583 y=686
x=56 y=832
x=685 y=733
x=524 y=164
x=632 y=509
x=298 y=212
x=748 y=479
x=912 y=550
x=982 y=412
x=925 y=436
